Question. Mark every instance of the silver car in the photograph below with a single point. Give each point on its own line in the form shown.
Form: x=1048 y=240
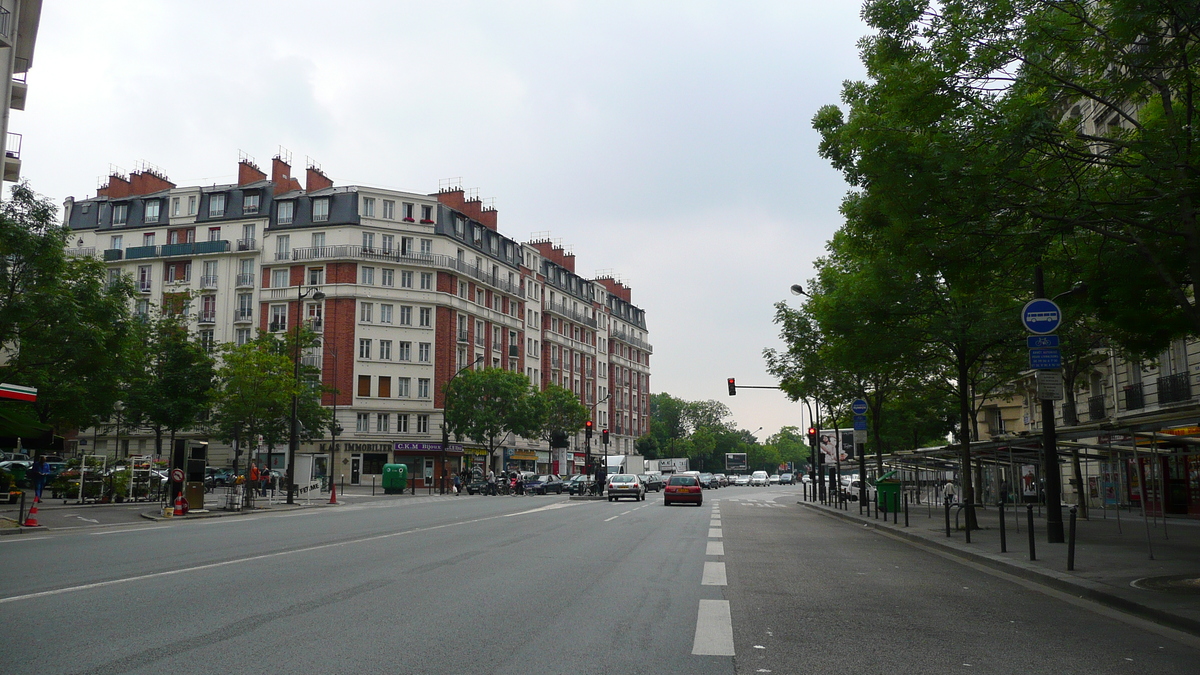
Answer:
x=625 y=485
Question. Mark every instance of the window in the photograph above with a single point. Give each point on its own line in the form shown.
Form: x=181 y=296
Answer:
x=363 y=420
x=368 y=207
x=426 y=247
x=368 y=276
x=408 y=212
x=285 y=212
x=278 y=318
x=387 y=277
x=142 y=308
x=462 y=289
x=365 y=311
x=383 y=421
x=248 y=232
x=423 y=424
x=152 y=209
x=402 y=388
x=283 y=247
x=207 y=343
x=144 y=277
x=405 y=315
x=404 y=351
x=241 y=336
x=316 y=276
x=191 y=205
x=385 y=313
x=389 y=209
x=422 y=388
x=174 y=206
x=401 y=423
x=458 y=227
x=120 y=214
x=250 y=203
x=423 y=352
x=320 y=208
x=216 y=206
x=368 y=241
x=426 y=317
x=279 y=277
x=406 y=279
x=116 y=241
x=214 y=234
x=318 y=239
x=385 y=350
x=388 y=242
x=364 y=348
x=426 y=213
x=406 y=245
x=427 y=281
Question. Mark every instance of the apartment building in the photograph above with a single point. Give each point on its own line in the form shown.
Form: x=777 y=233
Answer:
x=19 y=21
x=413 y=288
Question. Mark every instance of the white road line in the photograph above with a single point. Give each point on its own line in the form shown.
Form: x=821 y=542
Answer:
x=716 y=522
x=13 y=540
x=714 y=533
x=132 y=529
x=715 y=548
x=714 y=629
x=714 y=574
x=624 y=512
x=613 y=518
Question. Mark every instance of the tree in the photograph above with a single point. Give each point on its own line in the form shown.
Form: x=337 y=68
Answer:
x=489 y=404
x=558 y=411
x=253 y=394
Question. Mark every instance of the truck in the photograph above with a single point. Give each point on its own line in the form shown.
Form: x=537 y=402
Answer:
x=625 y=464
x=668 y=466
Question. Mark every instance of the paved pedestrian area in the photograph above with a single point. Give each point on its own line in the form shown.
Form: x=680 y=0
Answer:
x=1146 y=567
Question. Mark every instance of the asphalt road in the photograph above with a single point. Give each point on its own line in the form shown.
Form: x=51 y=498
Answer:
x=748 y=583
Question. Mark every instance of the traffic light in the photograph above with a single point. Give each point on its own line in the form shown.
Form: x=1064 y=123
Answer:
x=732 y=387
x=587 y=429
x=812 y=437
x=604 y=436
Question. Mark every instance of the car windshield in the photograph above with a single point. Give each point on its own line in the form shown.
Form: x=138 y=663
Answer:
x=622 y=479
x=543 y=479
x=682 y=480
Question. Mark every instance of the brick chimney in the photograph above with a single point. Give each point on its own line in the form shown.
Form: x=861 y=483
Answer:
x=117 y=187
x=249 y=173
x=555 y=254
x=281 y=175
x=146 y=181
x=615 y=288
x=316 y=180
x=488 y=218
x=453 y=198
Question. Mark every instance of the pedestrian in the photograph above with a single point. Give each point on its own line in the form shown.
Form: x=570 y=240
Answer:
x=255 y=479
x=948 y=492
x=38 y=473
x=491 y=481
x=457 y=483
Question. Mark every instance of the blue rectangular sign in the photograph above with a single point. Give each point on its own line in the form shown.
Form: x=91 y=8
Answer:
x=860 y=422
x=1045 y=359
x=1041 y=341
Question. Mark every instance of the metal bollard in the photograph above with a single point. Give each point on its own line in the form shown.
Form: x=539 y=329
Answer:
x=1032 y=545
x=947 y=519
x=970 y=512
x=896 y=509
x=1003 y=536
x=373 y=486
x=1071 y=542
x=906 y=509
x=21 y=510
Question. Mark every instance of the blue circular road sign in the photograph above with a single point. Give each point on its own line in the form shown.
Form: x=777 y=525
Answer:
x=858 y=407
x=1041 y=316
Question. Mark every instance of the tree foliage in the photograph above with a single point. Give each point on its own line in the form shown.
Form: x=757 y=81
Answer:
x=489 y=404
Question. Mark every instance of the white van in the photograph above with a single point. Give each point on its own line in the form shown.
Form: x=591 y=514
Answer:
x=759 y=478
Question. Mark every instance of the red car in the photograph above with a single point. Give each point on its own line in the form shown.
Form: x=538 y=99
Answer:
x=684 y=489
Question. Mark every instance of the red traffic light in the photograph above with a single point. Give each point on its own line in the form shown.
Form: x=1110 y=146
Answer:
x=604 y=436
x=587 y=429
x=812 y=432
x=732 y=387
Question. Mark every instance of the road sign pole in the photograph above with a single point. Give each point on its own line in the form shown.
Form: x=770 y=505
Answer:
x=1054 y=523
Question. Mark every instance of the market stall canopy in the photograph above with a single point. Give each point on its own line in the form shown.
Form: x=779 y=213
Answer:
x=16 y=424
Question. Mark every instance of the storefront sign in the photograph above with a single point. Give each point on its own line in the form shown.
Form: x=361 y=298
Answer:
x=425 y=447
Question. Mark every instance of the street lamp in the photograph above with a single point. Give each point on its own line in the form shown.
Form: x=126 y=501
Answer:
x=445 y=427
x=294 y=437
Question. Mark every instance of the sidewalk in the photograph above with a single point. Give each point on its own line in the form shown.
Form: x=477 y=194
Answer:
x=1110 y=555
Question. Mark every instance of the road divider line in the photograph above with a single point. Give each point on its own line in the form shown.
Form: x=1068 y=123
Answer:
x=131 y=529
x=714 y=629
x=715 y=548
x=714 y=574
x=13 y=540
x=714 y=533
x=613 y=518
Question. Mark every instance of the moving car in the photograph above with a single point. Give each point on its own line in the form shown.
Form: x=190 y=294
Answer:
x=759 y=479
x=707 y=480
x=774 y=479
x=578 y=484
x=722 y=480
x=625 y=485
x=787 y=479
x=741 y=479
x=544 y=484
x=653 y=482
x=683 y=489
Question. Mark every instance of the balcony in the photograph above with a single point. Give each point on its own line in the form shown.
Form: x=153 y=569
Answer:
x=12 y=158
x=243 y=315
x=463 y=336
x=479 y=339
x=143 y=287
x=1134 y=399
x=562 y=309
x=207 y=316
x=6 y=27
x=1175 y=388
x=1069 y=416
x=378 y=254
x=172 y=250
x=315 y=325
x=19 y=87
x=311 y=361
x=1096 y=408
x=82 y=252
x=245 y=280
x=208 y=283
x=113 y=254
x=628 y=339
x=247 y=245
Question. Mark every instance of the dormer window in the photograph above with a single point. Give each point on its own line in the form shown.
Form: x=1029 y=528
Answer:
x=284 y=212
x=426 y=213
x=250 y=203
x=216 y=206
x=320 y=210
x=120 y=214
x=153 y=206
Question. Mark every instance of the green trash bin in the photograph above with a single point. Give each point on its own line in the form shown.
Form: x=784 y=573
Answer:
x=887 y=493
x=395 y=478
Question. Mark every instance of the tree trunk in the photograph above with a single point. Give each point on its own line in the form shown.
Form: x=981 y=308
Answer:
x=964 y=412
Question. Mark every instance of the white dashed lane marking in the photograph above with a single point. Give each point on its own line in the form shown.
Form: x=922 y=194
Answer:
x=715 y=548
x=714 y=629
x=714 y=533
x=714 y=574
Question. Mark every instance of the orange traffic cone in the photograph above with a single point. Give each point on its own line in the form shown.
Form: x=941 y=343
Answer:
x=332 y=492
x=178 y=506
x=31 y=518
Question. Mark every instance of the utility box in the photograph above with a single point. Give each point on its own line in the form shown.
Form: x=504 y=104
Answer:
x=395 y=478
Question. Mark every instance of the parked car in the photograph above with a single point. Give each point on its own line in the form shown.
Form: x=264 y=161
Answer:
x=625 y=485
x=544 y=484
x=683 y=489
x=215 y=476
x=787 y=479
x=759 y=479
x=653 y=482
x=579 y=484
x=709 y=481
x=741 y=479
x=854 y=490
x=477 y=485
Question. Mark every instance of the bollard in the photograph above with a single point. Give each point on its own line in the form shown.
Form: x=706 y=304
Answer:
x=1032 y=545
x=21 y=509
x=896 y=509
x=970 y=512
x=906 y=509
x=373 y=485
x=947 y=518
x=1003 y=536
x=1071 y=542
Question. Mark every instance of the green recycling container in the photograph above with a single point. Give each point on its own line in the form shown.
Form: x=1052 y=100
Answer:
x=395 y=478
x=887 y=493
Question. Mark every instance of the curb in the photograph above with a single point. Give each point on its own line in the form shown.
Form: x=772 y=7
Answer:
x=18 y=528
x=1064 y=583
x=157 y=516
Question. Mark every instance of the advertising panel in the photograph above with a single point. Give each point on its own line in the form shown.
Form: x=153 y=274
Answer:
x=837 y=445
x=735 y=461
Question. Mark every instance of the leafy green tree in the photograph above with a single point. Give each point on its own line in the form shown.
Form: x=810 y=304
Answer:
x=253 y=394
x=489 y=404
x=170 y=387
x=558 y=411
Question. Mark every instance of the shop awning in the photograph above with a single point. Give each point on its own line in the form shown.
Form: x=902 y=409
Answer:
x=524 y=455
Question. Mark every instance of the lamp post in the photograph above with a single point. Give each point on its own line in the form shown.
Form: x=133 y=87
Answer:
x=587 y=441
x=816 y=472
x=446 y=427
x=294 y=436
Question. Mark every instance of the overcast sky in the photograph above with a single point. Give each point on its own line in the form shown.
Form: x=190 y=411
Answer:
x=666 y=142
